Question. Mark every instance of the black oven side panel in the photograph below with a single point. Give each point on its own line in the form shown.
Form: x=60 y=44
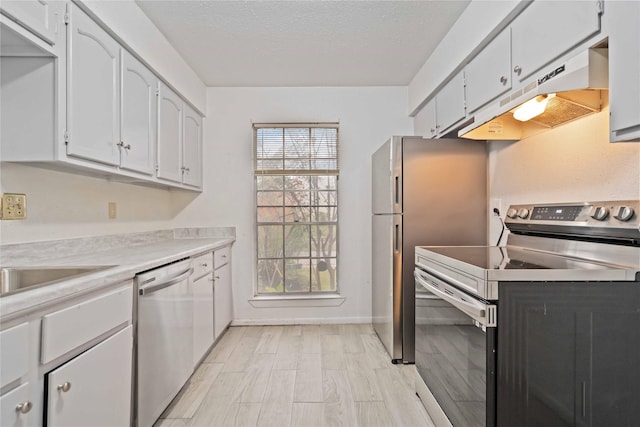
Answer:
x=568 y=354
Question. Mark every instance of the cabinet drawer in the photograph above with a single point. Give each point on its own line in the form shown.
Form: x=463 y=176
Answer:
x=202 y=265
x=10 y=416
x=67 y=329
x=221 y=256
x=14 y=348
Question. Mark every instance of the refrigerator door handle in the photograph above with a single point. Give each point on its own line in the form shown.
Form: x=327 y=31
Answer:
x=397 y=191
x=397 y=237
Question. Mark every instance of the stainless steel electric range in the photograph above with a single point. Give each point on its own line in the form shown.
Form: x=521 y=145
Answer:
x=542 y=331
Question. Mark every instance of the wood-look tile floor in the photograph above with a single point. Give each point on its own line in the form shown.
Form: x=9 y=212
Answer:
x=302 y=375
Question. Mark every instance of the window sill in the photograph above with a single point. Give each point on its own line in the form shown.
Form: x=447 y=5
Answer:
x=297 y=301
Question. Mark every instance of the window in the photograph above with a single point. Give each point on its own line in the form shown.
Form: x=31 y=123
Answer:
x=296 y=182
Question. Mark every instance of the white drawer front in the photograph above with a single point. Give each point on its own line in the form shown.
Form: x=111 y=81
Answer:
x=221 y=256
x=10 y=415
x=202 y=265
x=14 y=349
x=67 y=329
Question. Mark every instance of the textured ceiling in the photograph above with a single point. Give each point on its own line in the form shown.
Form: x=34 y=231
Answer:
x=304 y=43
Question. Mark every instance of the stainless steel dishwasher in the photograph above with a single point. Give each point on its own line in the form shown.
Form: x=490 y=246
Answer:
x=164 y=338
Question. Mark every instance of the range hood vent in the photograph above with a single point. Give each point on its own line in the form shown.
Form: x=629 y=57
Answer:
x=572 y=90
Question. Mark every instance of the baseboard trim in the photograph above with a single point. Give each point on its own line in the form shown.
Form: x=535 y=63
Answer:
x=300 y=321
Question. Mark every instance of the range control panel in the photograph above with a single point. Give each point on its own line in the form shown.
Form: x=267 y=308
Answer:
x=618 y=214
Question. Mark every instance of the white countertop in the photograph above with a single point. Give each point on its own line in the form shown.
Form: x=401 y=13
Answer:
x=126 y=262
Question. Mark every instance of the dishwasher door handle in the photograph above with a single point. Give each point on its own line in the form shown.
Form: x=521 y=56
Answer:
x=172 y=281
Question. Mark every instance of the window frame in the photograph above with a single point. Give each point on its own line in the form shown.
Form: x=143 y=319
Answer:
x=283 y=257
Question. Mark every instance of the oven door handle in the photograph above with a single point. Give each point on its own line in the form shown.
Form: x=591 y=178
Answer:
x=476 y=310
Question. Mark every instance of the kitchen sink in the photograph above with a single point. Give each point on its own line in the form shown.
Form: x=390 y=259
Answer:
x=19 y=279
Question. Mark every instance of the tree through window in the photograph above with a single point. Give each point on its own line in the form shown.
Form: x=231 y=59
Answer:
x=296 y=173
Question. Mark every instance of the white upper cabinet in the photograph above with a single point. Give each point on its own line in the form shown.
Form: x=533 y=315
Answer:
x=93 y=84
x=450 y=107
x=170 y=108
x=443 y=111
x=624 y=70
x=192 y=148
x=545 y=30
x=36 y=15
x=137 y=115
x=99 y=108
x=488 y=75
x=179 y=140
x=424 y=123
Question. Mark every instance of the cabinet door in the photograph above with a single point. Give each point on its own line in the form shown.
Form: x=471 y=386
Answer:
x=16 y=410
x=450 y=103
x=202 y=316
x=488 y=75
x=93 y=122
x=36 y=15
x=546 y=30
x=624 y=70
x=138 y=115
x=424 y=123
x=170 y=108
x=99 y=386
x=223 y=299
x=192 y=148
x=567 y=354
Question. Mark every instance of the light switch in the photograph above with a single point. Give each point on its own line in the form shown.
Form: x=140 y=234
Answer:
x=112 y=210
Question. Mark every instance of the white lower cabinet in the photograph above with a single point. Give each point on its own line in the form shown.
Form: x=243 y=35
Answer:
x=202 y=316
x=93 y=389
x=16 y=409
x=223 y=310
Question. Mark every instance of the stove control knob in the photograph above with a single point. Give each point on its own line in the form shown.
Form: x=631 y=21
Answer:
x=599 y=213
x=512 y=213
x=523 y=213
x=625 y=213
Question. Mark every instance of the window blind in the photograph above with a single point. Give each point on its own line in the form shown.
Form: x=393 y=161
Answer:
x=296 y=149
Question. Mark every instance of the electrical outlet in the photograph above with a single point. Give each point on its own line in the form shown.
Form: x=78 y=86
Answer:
x=14 y=206
x=496 y=204
x=112 y=210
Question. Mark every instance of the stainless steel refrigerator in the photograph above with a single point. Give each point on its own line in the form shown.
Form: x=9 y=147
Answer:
x=429 y=192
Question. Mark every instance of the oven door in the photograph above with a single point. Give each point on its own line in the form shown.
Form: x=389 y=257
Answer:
x=455 y=354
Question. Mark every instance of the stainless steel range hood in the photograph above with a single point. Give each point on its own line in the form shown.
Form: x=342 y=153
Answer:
x=570 y=90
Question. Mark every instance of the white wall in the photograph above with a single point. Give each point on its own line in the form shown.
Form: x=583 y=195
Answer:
x=571 y=163
x=62 y=205
x=367 y=116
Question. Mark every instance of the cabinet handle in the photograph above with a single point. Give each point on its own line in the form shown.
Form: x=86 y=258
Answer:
x=217 y=278
x=205 y=265
x=24 y=407
x=224 y=256
x=65 y=387
x=517 y=69
x=211 y=279
x=126 y=147
x=432 y=130
x=503 y=80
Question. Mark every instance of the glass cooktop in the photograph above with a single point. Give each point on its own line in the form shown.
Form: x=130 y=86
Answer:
x=512 y=258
